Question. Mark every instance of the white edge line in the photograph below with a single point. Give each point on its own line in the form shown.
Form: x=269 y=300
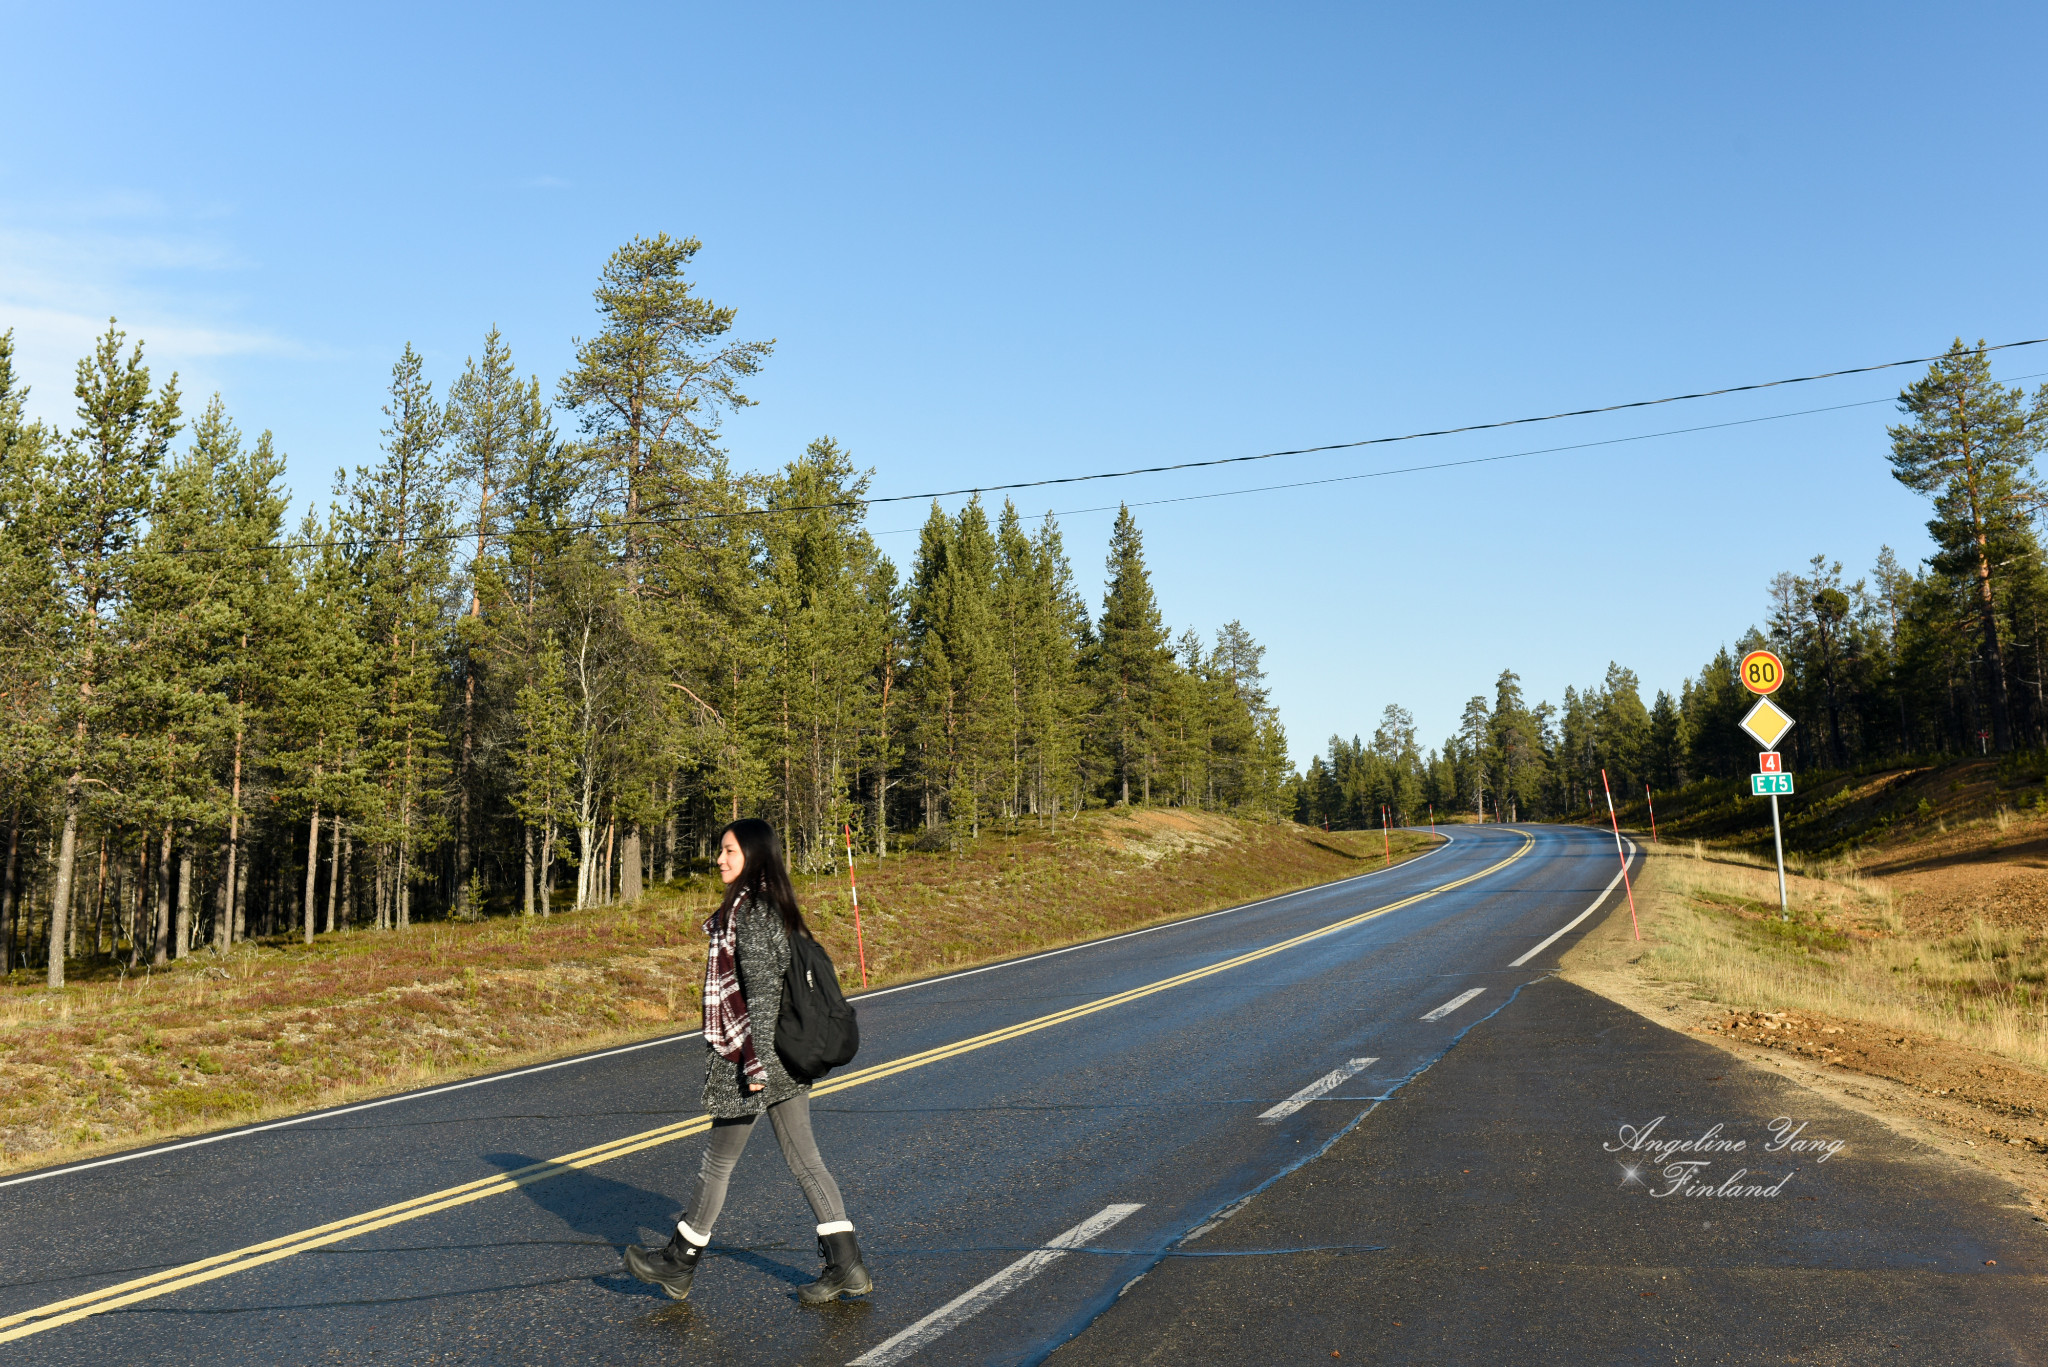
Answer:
x=1328 y=1082
x=1453 y=1004
x=973 y=1300
x=157 y=1150
x=1552 y=938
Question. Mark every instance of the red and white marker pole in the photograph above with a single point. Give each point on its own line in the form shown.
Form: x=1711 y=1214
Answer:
x=1432 y=819
x=1653 y=814
x=1615 y=822
x=1386 y=838
x=859 y=941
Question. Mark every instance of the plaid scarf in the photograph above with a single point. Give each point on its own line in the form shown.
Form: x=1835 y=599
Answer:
x=726 y=1027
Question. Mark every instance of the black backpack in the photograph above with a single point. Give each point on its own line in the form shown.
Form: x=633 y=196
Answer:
x=816 y=1030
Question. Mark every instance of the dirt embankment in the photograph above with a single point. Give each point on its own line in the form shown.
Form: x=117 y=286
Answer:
x=275 y=1027
x=1911 y=981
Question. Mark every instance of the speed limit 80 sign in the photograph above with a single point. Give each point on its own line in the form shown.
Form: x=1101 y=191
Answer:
x=1761 y=671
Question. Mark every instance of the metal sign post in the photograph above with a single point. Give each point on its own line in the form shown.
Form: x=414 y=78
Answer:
x=1778 y=839
x=1767 y=723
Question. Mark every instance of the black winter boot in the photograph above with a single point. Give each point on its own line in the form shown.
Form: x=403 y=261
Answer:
x=844 y=1274
x=670 y=1268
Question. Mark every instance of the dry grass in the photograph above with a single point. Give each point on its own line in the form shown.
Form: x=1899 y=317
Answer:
x=275 y=1028
x=1714 y=923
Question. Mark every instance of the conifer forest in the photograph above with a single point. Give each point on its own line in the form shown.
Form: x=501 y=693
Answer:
x=543 y=642
x=1942 y=659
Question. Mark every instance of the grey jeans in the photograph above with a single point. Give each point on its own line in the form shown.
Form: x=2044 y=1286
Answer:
x=792 y=1121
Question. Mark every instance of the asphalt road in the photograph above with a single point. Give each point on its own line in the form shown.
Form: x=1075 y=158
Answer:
x=1510 y=1231
x=1122 y=1094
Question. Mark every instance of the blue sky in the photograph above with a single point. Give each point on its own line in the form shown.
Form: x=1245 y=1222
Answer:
x=995 y=244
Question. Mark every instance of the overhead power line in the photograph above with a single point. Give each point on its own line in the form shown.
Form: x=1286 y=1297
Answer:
x=1451 y=464
x=1447 y=431
x=686 y=519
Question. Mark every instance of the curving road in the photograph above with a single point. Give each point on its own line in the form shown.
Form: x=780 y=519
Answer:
x=1018 y=1143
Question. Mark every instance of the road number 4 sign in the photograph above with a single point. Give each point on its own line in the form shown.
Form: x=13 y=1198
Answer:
x=1770 y=762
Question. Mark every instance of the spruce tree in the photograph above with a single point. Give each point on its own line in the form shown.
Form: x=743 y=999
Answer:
x=1475 y=752
x=487 y=411
x=544 y=769
x=828 y=611
x=1130 y=661
x=931 y=681
x=397 y=518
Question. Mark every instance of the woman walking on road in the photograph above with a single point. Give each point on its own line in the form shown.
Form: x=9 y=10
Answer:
x=751 y=933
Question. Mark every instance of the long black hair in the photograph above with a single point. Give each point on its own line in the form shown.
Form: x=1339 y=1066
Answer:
x=762 y=876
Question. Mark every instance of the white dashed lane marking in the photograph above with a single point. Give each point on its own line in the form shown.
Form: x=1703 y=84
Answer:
x=1328 y=1082
x=971 y=1302
x=1453 y=1004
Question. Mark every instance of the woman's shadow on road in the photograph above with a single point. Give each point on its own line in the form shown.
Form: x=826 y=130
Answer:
x=616 y=1212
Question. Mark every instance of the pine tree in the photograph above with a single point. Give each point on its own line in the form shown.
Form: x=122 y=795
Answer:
x=99 y=494
x=31 y=616
x=323 y=709
x=176 y=699
x=317 y=711
x=1970 y=447
x=651 y=387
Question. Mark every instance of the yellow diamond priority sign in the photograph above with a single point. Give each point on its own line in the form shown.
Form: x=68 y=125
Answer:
x=1768 y=722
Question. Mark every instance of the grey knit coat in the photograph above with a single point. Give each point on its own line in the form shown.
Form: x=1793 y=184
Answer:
x=762 y=949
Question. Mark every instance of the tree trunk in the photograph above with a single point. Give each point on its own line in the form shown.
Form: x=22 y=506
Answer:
x=526 y=907
x=403 y=888
x=547 y=868
x=99 y=900
x=668 y=852
x=1994 y=653
x=232 y=877
x=241 y=914
x=312 y=870
x=333 y=870
x=882 y=764
x=463 y=910
x=629 y=865
x=10 y=909
x=67 y=858
x=348 y=877
x=160 y=926
x=138 y=891
x=183 y=932
x=611 y=840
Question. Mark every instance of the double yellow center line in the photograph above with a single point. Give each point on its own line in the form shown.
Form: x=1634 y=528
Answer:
x=26 y=1322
